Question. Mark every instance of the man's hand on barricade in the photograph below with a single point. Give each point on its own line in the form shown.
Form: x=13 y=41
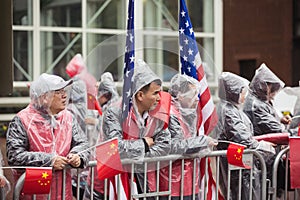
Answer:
x=211 y=142
x=60 y=162
x=286 y=119
x=74 y=160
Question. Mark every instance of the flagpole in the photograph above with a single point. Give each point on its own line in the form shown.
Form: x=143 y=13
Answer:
x=96 y=145
x=297 y=116
x=25 y=167
x=229 y=142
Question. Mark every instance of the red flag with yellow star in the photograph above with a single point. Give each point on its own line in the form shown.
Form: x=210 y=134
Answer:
x=37 y=180
x=108 y=159
x=93 y=104
x=235 y=155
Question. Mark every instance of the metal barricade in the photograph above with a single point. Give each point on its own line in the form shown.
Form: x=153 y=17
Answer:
x=158 y=163
x=2 y=193
x=283 y=154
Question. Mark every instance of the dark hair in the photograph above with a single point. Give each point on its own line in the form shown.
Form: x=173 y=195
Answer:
x=146 y=87
x=107 y=95
x=274 y=87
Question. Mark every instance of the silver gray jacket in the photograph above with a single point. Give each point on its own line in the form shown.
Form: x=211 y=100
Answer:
x=233 y=124
x=257 y=107
x=17 y=145
x=112 y=123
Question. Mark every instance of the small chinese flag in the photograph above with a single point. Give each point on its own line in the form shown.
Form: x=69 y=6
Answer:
x=108 y=159
x=37 y=180
x=91 y=101
x=235 y=155
x=294 y=162
x=93 y=104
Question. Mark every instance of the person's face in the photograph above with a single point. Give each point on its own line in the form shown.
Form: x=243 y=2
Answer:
x=190 y=98
x=243 y=95
x=270 y=93
x=148 y=100
x=59 y=101
x=102 y=100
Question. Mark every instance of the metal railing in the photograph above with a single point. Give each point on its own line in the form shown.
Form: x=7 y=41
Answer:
x=158 y=164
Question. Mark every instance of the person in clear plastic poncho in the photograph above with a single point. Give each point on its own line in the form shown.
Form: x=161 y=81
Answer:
x=234 y=126
x=45 y=134
x=107 y=91
x=144 y=135
x=107 y=96
x=258 y=105
x=185 y=136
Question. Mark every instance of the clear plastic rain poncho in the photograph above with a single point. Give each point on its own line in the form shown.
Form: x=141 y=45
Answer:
x=44 y=130
x=78 y=101
x=108 y=88
x=184 y=91
x=112 y=125
x=185 y=138
x=235 y=126
x=107 y=96
x=258 y=105
x=131 y=144
x=84 y=85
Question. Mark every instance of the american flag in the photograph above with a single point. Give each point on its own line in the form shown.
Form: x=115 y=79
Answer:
x=192 y=65
x=127 y=186
x=128 y=62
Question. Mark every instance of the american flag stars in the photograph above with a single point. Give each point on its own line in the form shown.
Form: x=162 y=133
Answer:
x=128 y=62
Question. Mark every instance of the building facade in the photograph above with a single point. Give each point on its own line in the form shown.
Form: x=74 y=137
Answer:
x=233 y=35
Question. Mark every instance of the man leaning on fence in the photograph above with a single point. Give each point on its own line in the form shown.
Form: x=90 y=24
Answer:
x=143 y=135
x=185 y=138
x=45 y=134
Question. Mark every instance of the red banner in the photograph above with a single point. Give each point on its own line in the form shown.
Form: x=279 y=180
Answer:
x=295 y=162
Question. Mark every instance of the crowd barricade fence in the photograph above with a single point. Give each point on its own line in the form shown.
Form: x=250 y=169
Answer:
x=2 y=194
x=291 y=194
x=131 y=164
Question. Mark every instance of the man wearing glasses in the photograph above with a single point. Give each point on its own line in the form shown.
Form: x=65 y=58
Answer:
x=45 y=133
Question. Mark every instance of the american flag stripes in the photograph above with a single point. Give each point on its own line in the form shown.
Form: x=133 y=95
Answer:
x=191 y=65
x=128 y=62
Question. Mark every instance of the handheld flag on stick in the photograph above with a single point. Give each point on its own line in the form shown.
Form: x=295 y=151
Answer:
x=108 y=159
x=76 y=66
x=192 y=65
x=128 y=62
x=235 y=155
x=93 y=104
x=37 y=180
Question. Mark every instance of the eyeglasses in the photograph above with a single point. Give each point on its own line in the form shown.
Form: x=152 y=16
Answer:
x=60 y=92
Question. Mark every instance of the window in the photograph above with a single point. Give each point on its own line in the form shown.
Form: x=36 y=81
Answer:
x=247 y=68
x=47 y=34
